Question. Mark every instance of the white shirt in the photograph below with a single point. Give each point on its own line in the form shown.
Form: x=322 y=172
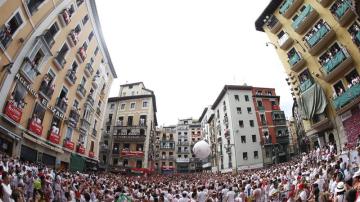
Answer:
x=303 y=195
x=6 y=192
x=201 y=196
x=230 y=196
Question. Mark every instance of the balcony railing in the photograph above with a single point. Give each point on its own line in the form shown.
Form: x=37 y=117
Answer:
x=73 y=117
x=279 y=122
x=132 y=154
x=130 y=138
x=89 y=70
x=71 y=76
x=46 y=89
x=81 y=55
x=81 y=91
x=261 y=108
x=288 y=7
x=304 y=19
x=73 y=38
x=306 y=85
x=349 y=95
x=332 y=66
x=318 y=38
x=183 y=143
x=84 y=124
x=185 y=151
x=283 y=139
x=90 y=100
x=342 y=11
x=296 y=61
x=49 y=38
x=273 y=24
x=182 y=160
x=60 y=61
x=61 y=103
x=285 y=41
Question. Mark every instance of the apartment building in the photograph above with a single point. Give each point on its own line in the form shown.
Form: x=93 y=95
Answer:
x=208 y=132
x=237 y=130
x=318 y=43
x=165 y=150
x=271 y=120
x=55 y=81
x=130 y=130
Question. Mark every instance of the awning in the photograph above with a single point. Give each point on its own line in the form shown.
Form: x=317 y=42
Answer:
x=312 y=101
x=9 y=133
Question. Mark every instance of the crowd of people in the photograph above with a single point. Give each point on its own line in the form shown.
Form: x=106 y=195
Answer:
x=314 y=31
x=321 y=175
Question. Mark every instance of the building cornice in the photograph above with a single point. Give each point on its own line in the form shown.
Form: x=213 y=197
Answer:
x=226 y=88
x=269 y=10
x=203 y=114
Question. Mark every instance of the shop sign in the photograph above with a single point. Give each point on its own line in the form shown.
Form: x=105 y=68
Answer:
x=36 y=95
x=54 y=138
x=69 y=145
x=35 y=127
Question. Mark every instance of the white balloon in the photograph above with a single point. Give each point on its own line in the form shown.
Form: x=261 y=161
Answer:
x=202 y=149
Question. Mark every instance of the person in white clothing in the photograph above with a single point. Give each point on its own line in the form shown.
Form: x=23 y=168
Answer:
x=230 y=195
x=6 y=189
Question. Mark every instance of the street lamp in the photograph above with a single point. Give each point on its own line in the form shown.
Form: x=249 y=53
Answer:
x=267 y=44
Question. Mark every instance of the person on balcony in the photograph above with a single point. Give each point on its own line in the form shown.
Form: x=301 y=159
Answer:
x=54 y=128
x=5 y=33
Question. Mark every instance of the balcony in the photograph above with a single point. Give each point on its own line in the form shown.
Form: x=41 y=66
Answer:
x=61 y=104
x=285 y=41
x=182 y=160
x=69 y=144
x=84 y=124
x=306 y=85
x=104 y=148
x=73 y=117
x=315 y=41
x=296 y=62
x=283 y=139
x=342 y=12
x=333 y=66
x=320 y=123
x=59 y=61
x=132 y=154
x=46 y=89
x=325 y=3
x=169 y=158
x=134 y=137
x=5 y=36
x=183 y=143
x=64 y=17
x=35 y=126
x=81 y=55
x=73 y=38
x=261 y=108
x=71 y=77
x=305 y=19
x=185 y=151
x=273 y=24
x=288 y=7
x=279 y=122
x=49 y=38
x=90 y=100
x=81 y=91
x=94 y=132
x=348 y=99
x=88 y=70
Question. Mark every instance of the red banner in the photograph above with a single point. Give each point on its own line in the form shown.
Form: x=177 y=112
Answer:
x=69 y=145
x=91 y=154
x=13 y=112
x=81 y=150
x=54 y=138
x=275 y=107
x=140 y=170
x=132 y=153
x=35 y=127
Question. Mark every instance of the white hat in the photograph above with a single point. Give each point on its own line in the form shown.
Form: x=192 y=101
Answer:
x=357 y=174
x=340 y=187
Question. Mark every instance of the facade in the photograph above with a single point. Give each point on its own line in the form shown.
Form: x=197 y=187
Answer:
x=272 y=125
x=55 y=81
x=237 y=130
x=165 y=149
x=129 y=133
x=318 y=43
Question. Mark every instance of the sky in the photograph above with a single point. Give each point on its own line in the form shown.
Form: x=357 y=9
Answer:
x=186 y=51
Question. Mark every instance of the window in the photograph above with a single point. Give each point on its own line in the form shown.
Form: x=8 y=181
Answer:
x=85 y=19
x=92 y=146
x=245 y=157
x=145 y=104
x=238 y=110
x=138 y=164
x=130 y=121
x=339 y=88
x=236 y=97
x=78 y=29
x=170 y=163
x=96 y=50
x=10 y=28
x=115 y=161
x=251 y=123
x=253 y=138
x=256 y=155
x=85 y=46
x=246 y=98
x=249 y=110
x=122 y=106
x=259 y=103
x=79 y=2
x=91 y=35
x=33 y=5
x=243 y=139
x=132 y=105
x=241 y=124
x=60 y=58
x=107 y=129
x=31 y=68
x=50 y=34
x=267 y=154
